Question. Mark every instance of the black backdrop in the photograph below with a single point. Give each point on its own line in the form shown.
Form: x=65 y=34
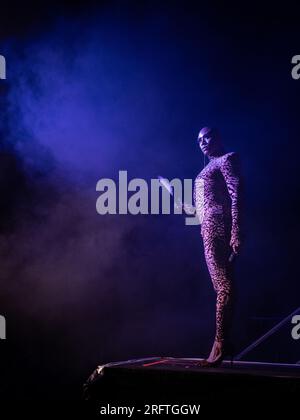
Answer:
x=78 y=289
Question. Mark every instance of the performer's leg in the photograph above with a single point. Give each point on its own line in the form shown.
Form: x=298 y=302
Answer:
x=221 y=276
x=223 y=305
x=217 y=251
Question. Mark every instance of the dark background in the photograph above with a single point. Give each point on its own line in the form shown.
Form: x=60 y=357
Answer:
x=97 y=87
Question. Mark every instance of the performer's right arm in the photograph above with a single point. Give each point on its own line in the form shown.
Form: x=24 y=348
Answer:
x=231 y=171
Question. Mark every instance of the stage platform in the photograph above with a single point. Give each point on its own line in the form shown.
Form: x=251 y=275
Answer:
x=179 y=380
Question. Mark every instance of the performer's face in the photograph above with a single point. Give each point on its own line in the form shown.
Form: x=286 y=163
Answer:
x=207 y=142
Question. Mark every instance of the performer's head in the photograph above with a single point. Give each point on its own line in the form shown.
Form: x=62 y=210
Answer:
x=209 y=141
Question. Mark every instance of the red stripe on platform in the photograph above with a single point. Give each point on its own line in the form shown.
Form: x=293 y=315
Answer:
x=155 y=363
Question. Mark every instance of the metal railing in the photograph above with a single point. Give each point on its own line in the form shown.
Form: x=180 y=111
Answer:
x=265 y=336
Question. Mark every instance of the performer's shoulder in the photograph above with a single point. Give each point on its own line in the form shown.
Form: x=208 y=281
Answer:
x=199 y=176
x=230 y=157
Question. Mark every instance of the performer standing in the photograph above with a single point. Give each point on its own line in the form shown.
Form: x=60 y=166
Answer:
x=217 y=197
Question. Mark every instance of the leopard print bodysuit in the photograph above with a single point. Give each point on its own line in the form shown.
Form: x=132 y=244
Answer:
x=217 y=197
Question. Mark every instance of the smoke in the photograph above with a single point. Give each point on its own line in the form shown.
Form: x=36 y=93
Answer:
x=83 y=103
x=88 y=97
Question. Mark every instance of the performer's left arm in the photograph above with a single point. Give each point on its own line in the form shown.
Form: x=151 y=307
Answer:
x=231 y=171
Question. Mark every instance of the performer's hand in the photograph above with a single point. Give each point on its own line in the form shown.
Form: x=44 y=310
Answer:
x=188 y=208
x=235 y=243
x=178 y=206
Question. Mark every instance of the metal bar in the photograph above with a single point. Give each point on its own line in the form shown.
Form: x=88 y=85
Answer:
x=265 y=336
